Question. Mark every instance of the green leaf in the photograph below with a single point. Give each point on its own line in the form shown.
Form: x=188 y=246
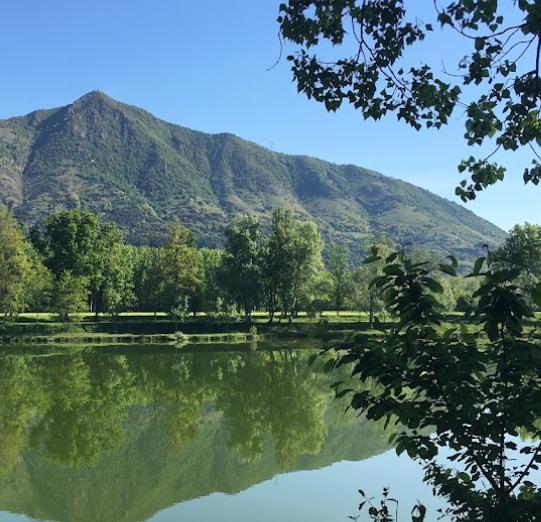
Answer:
x=478 y=265
x=434 y=286
x=371 y=259
x=448 y=269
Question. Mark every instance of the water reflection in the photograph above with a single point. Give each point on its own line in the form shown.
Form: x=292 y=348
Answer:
x=97 y=436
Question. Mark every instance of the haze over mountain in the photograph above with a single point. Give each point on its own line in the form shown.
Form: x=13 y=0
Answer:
x=143 y=173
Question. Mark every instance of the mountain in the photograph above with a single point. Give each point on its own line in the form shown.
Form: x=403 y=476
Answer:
x=142 y=173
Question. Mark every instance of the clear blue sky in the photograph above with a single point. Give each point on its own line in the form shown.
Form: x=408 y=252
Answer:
x=204 y=65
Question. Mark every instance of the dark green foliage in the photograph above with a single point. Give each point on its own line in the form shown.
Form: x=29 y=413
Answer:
x=473 y=393
x=148 y=283
x=177 y=277
x=497 y=84
x=211 y=298
x=340 y=272
x=274 y=259
x=78 y=242
x=142 y=174
x=69 y=295
x=180 y=270
x=304 y=263
x=70 y=241
x=290 y=260
x=521 y=252
x=241 y=268
x=39 y=282
x=465 y=305
x=366 y=296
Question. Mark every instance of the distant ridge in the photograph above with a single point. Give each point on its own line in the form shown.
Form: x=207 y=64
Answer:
x=142 y=173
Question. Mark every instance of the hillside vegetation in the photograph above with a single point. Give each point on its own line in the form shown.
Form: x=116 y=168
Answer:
x=142 y=173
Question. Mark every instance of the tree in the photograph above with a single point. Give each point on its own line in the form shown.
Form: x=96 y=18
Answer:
x=14 y=265
x=39 y=282
x=367 y=296
x=211 y=295
x=70 y=241
x=116 y=291
x=107 y=270
x=458 y=293
x=304 y=261
x=458 y=390
x=148 y=283
x=339 y=269
x=275 y=258
x=181 y=269
x=291 y=257
x=70 y=293
x=241 y=272
x=497 y=84
x=521 y=250
x=319 y=293
x=77 y=241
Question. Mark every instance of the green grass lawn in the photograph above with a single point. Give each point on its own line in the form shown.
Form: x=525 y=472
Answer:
x=331 y=316
x=143 y=323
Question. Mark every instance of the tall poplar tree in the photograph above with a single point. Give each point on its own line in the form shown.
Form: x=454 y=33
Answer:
x=241 y=271
x=181 y=268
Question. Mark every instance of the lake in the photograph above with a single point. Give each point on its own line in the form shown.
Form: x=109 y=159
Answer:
x=207 y=433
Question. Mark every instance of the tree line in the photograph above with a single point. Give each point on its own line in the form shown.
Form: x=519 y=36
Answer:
x=75 y=263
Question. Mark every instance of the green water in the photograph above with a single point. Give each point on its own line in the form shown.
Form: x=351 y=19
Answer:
x=208 y=434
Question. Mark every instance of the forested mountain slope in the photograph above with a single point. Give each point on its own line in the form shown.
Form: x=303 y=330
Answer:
x=142 y=173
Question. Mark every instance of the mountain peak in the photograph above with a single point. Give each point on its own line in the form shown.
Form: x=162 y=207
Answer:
x=93 y=96
x=93 y=99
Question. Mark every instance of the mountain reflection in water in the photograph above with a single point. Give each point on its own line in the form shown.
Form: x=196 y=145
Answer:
x=104 y=436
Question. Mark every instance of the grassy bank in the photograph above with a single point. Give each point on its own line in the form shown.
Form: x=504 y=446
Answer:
x=146 y=324
x=143 y=328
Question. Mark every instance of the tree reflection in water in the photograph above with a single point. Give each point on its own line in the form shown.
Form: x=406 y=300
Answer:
x=101 y=436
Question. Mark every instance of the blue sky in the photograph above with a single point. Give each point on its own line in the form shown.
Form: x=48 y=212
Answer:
x=205 y=65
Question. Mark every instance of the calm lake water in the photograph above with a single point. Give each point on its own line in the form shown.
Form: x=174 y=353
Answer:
x=205 y=434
